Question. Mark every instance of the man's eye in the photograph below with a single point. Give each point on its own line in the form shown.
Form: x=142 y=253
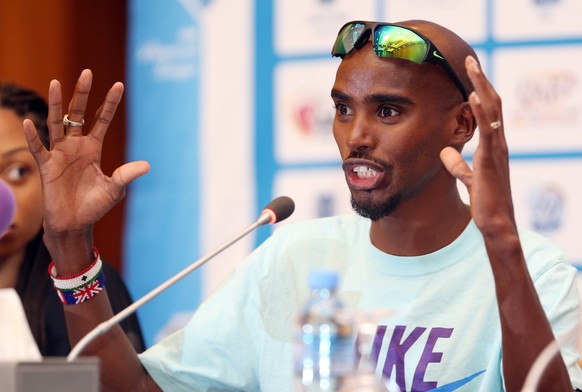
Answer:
x=388 y=112
x=343 y=110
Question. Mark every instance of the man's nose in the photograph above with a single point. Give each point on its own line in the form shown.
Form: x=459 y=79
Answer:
x=361 y=135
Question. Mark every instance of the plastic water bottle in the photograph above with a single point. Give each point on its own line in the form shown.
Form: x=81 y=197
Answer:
x=366 y=379
x=325 y=352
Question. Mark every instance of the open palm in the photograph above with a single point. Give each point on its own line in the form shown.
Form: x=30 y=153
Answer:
x=76 y=193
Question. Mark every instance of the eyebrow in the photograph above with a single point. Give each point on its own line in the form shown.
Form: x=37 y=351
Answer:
x=14 y=151
x=374 y=98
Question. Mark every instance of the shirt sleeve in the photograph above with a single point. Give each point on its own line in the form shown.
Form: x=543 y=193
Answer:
x=219 y=348
x=556 y=285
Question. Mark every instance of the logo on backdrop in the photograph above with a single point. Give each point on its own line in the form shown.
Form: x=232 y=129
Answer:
x=312 y=117
x=325 y=205
x=172 y=60
x=547 y=9
x=546 y=99
x=545 y=2
x=546 y=209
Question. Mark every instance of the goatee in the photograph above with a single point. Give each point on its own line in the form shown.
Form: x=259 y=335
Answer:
x=375 y=211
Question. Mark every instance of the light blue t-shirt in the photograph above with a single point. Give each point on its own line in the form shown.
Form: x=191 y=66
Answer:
x=440 y=326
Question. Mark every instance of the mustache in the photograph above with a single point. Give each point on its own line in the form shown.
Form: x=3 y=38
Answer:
x=364 y=155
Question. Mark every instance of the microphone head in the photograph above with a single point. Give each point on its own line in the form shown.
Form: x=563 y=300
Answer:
x=7 y=206
x=277 y=210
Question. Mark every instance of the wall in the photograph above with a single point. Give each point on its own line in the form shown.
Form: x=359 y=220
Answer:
x=57 y=39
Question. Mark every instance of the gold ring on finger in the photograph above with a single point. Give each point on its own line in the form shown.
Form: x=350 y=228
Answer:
x=71 y=123
x=495 y=124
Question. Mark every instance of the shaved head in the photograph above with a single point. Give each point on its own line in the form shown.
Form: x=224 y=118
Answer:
x=395 y=115
x=454 y=48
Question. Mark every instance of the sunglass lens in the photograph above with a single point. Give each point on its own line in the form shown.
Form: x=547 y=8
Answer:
x=347 y=38
x=394 y=41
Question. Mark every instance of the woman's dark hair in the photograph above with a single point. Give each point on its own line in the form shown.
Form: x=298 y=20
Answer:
x=33 y=277
x=26 y=104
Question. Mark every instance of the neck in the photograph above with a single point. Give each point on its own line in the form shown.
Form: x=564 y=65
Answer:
x=10 y=268
x=420 y=228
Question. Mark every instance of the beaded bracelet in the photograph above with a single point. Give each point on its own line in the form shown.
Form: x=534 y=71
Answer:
x=79 y=288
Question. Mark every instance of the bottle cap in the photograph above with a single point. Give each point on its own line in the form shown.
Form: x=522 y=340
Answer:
x=323 y=279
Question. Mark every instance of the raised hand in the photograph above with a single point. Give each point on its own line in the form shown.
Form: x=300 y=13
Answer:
x=492 y=210
x=488 y=183
x=76 y=193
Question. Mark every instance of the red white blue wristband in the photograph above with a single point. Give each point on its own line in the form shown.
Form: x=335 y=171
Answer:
x=83 y=293
x=81 y=287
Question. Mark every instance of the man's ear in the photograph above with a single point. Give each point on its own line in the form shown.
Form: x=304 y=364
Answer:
x=465 y=126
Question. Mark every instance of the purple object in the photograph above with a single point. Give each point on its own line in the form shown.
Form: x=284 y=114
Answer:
x=7 y=206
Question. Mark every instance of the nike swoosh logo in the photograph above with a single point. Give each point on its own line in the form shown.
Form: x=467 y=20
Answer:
x=436 y=54
x=456 y=384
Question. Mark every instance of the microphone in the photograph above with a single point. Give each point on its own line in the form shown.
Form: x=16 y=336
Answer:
x=276 y=211
x=7 y=206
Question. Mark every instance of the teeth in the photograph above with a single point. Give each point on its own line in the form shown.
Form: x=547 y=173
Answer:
x=364 y=172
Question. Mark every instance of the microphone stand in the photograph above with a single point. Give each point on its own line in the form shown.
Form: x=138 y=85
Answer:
x=266 y=217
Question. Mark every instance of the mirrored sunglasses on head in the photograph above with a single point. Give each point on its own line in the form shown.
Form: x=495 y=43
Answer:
x=392 y=41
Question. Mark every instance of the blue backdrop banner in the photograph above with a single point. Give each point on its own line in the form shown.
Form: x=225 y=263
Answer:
x=162 y=224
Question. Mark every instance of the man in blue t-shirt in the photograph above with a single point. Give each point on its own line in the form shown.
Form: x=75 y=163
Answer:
x=408 y=96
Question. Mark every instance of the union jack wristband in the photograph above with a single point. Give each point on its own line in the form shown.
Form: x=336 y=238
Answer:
x=75 y=289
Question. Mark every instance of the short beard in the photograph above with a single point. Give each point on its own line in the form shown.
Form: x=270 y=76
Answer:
x=375 y=211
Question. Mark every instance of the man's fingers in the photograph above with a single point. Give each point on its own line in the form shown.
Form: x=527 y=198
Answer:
x=78 y=104
x=55 y=114
x=106 y=112
x=485 y=102
x=80 y=97
x=456 y=165
x=35 y=145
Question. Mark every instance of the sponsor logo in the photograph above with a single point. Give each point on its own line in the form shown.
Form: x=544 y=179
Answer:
x=545 y=2
x=547 y=209
x=547 y=99
x=325 y=205
x=548 y=10
x=436 y=54
x=176 y=61
x=313 y=117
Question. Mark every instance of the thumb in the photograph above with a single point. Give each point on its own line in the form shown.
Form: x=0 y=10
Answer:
x=125 y=174
x=456 y=165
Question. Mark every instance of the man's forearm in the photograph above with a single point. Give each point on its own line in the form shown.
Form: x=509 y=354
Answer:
x=525 y=328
